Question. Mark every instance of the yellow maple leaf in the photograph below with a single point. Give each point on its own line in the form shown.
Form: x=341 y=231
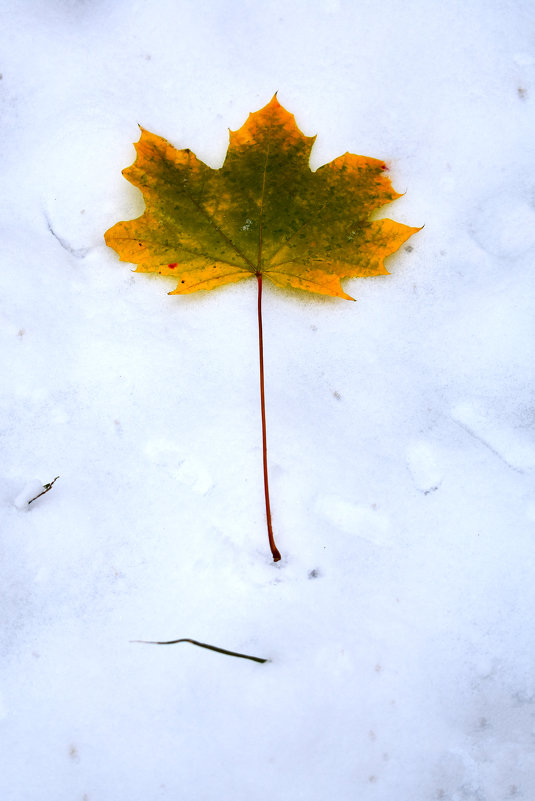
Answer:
x=263 y=212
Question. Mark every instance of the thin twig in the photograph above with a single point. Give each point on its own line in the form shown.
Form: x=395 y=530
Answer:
x=46 y=488
x=204 y=645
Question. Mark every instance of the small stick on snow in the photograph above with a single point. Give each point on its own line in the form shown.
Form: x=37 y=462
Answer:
x=204 y=645
x=46 y=488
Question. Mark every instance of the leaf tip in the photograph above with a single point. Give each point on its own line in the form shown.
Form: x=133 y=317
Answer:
x=274 y=102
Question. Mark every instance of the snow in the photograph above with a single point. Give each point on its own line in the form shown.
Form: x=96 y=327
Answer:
x=423 y=464
x=401 y=428
x=28 y=493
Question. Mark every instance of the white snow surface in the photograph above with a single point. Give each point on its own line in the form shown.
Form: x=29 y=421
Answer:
x=399 y=623
x=29 y=493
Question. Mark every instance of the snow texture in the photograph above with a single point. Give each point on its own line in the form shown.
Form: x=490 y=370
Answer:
x=28 y=493
x=399 y=623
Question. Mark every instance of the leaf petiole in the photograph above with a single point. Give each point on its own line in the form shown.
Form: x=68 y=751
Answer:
x=274 y=549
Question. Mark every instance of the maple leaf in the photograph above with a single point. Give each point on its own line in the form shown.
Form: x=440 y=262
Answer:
x=264 y=213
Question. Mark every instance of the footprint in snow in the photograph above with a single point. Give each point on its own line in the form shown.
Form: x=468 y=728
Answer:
x=188 y=471
x=511 y=445
x=363 y=521
x=424 y=467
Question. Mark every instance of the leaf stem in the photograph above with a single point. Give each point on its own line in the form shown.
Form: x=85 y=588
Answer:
x=274 y=549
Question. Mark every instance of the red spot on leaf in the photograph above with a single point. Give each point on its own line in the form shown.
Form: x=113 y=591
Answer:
x=172 y=266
